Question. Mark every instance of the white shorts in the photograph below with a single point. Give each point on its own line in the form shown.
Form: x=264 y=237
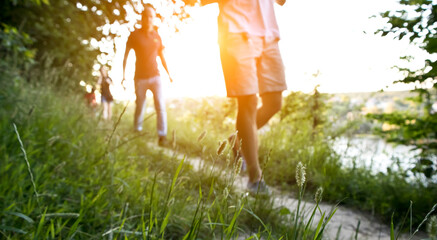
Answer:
x=251 y=65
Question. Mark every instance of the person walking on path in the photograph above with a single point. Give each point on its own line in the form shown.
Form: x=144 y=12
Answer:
x=105 y=81
x=251 y=64
x=147 y=45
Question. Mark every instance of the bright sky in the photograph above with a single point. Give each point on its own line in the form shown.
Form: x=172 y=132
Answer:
x=330 y=43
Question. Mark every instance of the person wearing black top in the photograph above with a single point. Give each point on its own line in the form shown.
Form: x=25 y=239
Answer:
x=105 y=81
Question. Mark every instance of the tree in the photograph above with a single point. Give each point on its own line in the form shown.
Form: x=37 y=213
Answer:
x=61 y=33
x=416 y=21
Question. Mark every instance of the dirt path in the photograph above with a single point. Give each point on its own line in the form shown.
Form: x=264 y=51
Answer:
x=343 y=224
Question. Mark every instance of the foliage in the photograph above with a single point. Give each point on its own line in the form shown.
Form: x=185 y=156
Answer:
x=289 y=138
x=306 y=107
x=416 y=21
x=15 y=58
x=66 y=175
x=15 y=44
x=302 y=134
x=65 y=34
x=61 y=32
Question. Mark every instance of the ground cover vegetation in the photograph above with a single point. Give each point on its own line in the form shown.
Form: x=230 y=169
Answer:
x=64 y=174
x=305 y=131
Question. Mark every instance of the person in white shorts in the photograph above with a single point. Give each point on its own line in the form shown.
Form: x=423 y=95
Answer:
x=252 y=64
x=147 y=45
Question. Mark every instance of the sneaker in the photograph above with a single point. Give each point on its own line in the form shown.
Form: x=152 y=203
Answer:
x=258 y=188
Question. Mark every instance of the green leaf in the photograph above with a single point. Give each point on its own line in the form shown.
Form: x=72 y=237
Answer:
x=425 y=162
x=20 y=215
x=165 y=222
x=392 y=231
x=284 y=211
x=40 y=225
x=12 y=229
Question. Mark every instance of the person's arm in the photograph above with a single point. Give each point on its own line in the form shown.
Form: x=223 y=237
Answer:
x=164 y=64
x=126 y=54
x=99 y=81
x=109 y=81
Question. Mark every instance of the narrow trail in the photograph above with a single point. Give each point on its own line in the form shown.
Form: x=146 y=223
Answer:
x=343 y=224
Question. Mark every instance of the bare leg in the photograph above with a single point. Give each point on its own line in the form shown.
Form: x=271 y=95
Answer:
x=110 y=110
x=247 y=132
x=271 y=104
x=105 y=110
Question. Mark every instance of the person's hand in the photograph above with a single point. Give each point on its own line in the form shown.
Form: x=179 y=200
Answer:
x=171 y=79
x=281 y=2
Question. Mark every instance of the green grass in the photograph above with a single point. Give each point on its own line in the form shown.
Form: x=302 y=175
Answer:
x=66 y=175
x=74 y=176
x=293 y=140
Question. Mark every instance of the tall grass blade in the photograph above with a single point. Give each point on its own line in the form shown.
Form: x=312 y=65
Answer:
x=231 y=227
x=164 y=223
x=319 y=227
x=325 y=223
x=424 y=220
x=392 y=231
x=51 y=230
x=256 y=217
x=12 y=229
x=20 y=215
x=194 y=223
x=411 y=218
x=357 y=230
x=307 y=227
x=40 y=225
x=115 y=126
x=337 y=236
x=296 y=219
x=73 y=229
x=404 y=220
x=63 y=215
x=175 y=177
x=28 y=164
x=149 y=228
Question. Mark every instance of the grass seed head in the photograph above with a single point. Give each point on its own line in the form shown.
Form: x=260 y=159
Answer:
x=238 y=166
x=221 y=147
x=232 y=140
x=319 y=195
x=300 y=174
x=171 y=202
x=225 y=192
x=431 y=227
x=201 y=136
x=228 y=161
x=173 y=140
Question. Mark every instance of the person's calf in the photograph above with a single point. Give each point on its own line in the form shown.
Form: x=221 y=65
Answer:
x=271 y=104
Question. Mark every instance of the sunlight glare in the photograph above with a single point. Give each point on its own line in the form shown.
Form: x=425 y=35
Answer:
x=331 y=44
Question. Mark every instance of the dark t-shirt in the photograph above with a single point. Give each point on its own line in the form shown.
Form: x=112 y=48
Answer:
x=105 y=89
x=147 y=47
